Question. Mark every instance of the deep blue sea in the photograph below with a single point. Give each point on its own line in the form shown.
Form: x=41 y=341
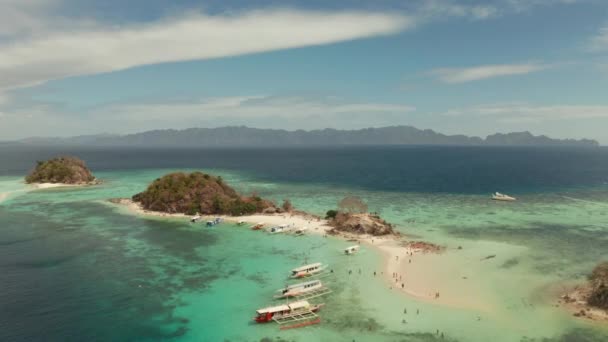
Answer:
x=74 y=268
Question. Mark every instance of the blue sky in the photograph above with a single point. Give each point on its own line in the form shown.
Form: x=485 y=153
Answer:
x=72 y=67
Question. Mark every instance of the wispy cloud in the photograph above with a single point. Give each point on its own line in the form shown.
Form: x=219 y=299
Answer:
x=289 y=112
x=89 y=50
x=523 y=112
x=482 y=72
x=599 y=42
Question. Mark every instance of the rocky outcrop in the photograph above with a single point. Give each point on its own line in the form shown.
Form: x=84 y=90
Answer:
x=197 y=192
x=65 y=170
x=361 y=224
x=598 y=282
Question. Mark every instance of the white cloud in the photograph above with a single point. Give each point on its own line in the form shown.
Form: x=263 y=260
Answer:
x=522 y=112
x=476 y=73
x=599 y=42
x=37 y=59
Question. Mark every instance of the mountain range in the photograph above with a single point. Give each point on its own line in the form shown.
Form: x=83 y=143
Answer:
x=241 y=136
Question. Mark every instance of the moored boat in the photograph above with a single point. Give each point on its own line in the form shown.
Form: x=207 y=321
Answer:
x=299 y=289
x=291 y=311
x=497 y=196
x=258 y=226
x=195 y=218
x=279 y=229
x=300 y=231
x=351 y=250
x=241 y=222
x=307 y=270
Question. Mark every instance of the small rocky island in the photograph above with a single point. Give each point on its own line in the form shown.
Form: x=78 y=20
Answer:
x=353 y=217
x=61 y=170
x=591 y=299
x=197 y=192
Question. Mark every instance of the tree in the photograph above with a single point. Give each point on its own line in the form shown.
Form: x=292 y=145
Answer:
x=353 y=205
x=331 y=214
x=287 y=206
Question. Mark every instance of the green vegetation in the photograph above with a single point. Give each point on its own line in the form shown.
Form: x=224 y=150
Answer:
x=197 y=192
x=68 y=170
x=599 y=284
x=331 y=214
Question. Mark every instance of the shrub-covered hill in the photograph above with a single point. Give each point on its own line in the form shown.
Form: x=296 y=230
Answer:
x=67 y=170
x=197 y=192
x=598 y=280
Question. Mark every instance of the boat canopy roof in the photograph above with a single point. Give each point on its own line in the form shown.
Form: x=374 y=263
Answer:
x=298 y=305
x=303 y=284
x=273 y=309
x=305 y=267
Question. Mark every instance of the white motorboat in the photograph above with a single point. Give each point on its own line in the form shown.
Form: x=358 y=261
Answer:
x=497 y=196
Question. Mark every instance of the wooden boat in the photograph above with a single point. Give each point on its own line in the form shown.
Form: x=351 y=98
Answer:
x=258 y=226
x=195 y=218
x=351 y=250
x=288 y=313
x=306 y=290
x=307 y=270
x=497 y=196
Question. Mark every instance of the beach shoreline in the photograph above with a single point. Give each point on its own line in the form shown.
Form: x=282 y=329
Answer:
x=421 y=284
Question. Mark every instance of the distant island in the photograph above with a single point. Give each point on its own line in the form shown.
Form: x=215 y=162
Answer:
x=199 y=193
x=61 y=170
x=238 y=136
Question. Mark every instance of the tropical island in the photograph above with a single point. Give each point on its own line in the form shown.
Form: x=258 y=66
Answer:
x=590 y=300
x=65 y=170
x=199 y=193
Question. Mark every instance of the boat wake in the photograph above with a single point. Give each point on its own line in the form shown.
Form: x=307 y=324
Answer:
x=585 y=201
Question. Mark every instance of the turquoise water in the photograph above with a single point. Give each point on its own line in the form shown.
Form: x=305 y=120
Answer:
x=89 y=270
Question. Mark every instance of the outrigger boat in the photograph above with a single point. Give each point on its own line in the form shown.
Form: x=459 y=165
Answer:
x=301 y=312
x=215 y=221
x=306 y=290
x=258 y=226
x=497 y=196
x=301 y=231
x=351 y=250
x=308 y=270
x=240 y=223
x=279 y=229
x=195 y=218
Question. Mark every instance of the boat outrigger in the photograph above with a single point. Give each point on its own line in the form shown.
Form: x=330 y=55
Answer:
x=497 y=196
x=308 y=270
x=296 y=312
x=306 y=290
x=351 y=250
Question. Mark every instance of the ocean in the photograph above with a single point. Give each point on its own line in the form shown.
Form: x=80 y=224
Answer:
x=75 y=268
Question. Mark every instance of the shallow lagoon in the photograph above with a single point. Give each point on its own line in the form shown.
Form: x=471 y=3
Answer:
x=75 y=267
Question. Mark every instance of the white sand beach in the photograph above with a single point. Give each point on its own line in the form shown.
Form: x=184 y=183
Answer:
x=422 y=278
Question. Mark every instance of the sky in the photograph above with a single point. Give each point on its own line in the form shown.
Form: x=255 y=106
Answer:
x=78 y=67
